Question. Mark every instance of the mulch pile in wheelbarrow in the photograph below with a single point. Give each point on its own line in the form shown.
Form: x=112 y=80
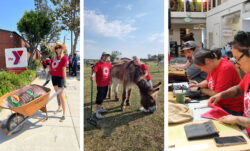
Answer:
x=25 y=95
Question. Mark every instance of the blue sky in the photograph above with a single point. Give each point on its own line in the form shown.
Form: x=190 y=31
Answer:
x=133 y=27
x=11 y=11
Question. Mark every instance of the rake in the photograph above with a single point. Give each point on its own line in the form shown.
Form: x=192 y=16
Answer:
x=91 y=120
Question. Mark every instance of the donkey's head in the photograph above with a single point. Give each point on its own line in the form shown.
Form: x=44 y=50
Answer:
x=149 y=95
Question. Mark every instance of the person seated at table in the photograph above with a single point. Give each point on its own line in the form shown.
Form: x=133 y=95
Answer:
x=187 y=37
x=193 y=72
x=222 y=75
x=241 y=52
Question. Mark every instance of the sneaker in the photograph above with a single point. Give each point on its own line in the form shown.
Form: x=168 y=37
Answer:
x=102 y=110
x=62 y=119
x=98 y=115
x=141 y=108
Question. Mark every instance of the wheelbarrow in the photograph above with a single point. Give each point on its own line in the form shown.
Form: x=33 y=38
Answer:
x=21 y=114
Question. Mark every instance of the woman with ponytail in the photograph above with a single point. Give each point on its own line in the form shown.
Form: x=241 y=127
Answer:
x=222 y=75
x=241 y=52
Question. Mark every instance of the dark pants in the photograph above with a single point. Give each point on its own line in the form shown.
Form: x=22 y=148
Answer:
x=101 y=94
x=74 y=70
x=70 y=68
x=233 y=112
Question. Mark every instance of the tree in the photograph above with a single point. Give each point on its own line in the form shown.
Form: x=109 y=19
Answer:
x=114 y=55
x=68 y=12
x=160 y=57
x=45 y=50
x=54 y=34
x=34 y=26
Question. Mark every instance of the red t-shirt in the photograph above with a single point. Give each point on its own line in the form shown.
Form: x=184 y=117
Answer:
x=143 y=67
x=226 y=76
x=102 y=73
x=244 y=85
x=56 y=66
x=169 y=57
x=47 y=61
x=44 y=62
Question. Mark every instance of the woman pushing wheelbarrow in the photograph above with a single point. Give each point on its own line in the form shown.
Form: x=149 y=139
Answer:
x=26 y=101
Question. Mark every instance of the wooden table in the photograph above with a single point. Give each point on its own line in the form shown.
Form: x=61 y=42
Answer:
x=175 y=76
x=178 y=139
x=171 y=98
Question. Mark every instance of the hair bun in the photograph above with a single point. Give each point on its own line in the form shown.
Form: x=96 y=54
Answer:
x=243 y=38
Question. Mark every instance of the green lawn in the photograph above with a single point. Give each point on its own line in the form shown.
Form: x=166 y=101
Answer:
x=130 y=130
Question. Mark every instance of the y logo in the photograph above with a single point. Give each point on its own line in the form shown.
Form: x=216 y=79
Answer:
x=18 y=55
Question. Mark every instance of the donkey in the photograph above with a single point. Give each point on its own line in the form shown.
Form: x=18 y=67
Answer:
x=125 y=72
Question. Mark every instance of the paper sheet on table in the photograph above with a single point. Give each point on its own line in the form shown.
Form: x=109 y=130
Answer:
x=181 y=83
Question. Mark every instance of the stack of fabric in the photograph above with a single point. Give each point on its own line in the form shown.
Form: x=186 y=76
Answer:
x=179 y=113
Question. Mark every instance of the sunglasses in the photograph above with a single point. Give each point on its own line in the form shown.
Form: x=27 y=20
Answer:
x=58 y=48
x=237 y=60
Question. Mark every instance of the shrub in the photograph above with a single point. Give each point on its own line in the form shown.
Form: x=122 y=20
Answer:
x=36 y=64
x=10 y=81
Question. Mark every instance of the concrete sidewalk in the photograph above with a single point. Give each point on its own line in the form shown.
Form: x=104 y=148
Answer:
x=51 y=135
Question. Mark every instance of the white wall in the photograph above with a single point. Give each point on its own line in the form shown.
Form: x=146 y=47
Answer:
x=176 y=33
x=245 y=18
x=215 y=25
x=233 y=24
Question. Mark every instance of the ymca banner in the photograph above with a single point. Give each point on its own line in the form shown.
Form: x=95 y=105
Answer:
x=16 y=58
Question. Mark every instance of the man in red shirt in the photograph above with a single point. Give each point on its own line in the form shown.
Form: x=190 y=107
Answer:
x=102 y=72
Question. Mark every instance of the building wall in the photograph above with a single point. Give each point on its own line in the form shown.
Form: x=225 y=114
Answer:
x=175 y=36
x=6 y=41
x=216 y=24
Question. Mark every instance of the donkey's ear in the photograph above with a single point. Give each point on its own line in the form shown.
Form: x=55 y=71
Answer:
x=157 y=85
x=154 y=91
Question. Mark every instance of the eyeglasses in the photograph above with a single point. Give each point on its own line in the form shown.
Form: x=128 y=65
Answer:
x=237 y=60
x=58 y=48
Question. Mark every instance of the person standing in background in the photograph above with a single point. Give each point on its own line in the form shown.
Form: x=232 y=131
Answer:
x=74 y=64
x=70 y=64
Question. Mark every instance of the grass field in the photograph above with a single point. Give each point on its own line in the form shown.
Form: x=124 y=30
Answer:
x=130 y=130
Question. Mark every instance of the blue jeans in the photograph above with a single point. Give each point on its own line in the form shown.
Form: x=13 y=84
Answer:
x=150 y=83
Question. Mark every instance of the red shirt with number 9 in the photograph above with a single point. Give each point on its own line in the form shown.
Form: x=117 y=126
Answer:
x=102 y=73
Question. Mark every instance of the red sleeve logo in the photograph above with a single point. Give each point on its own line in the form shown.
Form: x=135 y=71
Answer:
x=211 y=83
